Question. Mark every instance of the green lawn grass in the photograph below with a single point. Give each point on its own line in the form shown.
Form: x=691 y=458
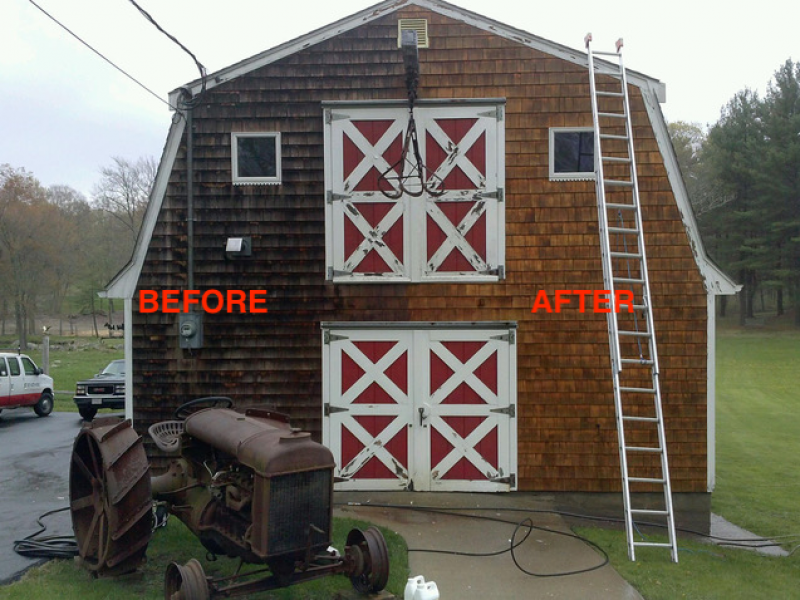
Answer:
x=703 y=572
x=758 y=430
x=176 y=543
x=758 y=480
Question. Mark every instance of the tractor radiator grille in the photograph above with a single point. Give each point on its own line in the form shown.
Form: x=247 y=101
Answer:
x=296 y=501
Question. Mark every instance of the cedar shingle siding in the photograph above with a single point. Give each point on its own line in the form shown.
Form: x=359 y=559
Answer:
x=566 y=427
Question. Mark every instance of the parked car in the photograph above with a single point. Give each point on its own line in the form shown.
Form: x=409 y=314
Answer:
x=22 y=383
x=104 y=390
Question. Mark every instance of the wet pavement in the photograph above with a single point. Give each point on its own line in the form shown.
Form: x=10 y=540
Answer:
x=34 y=479
x=545 y=552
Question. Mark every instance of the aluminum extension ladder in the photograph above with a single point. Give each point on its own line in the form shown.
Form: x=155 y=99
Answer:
x=631 y=335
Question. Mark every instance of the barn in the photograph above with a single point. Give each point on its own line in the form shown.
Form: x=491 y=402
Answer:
x=390 y=312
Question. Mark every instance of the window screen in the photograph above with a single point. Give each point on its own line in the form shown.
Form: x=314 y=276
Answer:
x=256 y=158
x=571 y=154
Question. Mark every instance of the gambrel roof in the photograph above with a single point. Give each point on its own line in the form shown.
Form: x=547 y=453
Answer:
x=653 y=92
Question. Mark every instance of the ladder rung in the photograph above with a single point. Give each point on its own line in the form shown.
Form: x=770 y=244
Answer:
x=623 y=230
x=645 y=480
x=642 y=449
x=611 y=136
x=641 y=334
x=628 y=280
x=654 y=544
x=616 y=159
x=605 y=53
x=637 y=361
x=625 y=255
x=612 y=94
x=641 y=419
x=618 y=206
x=637 y=390
x=612 y=115
x=639 y=307
x=618 y=182
x=649 y=511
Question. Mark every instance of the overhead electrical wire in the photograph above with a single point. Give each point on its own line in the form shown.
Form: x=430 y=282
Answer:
x=200 y=67
x=101 y=55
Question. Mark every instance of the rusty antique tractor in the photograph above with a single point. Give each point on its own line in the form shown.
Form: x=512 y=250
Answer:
x=247 y=484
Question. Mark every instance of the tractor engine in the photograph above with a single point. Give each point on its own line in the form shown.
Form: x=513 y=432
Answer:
x=250 y=486
x=247 y=484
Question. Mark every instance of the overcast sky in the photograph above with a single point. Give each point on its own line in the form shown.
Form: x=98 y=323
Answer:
x=64 y=112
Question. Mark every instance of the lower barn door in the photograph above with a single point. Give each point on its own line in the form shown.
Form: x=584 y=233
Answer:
x=421 y=409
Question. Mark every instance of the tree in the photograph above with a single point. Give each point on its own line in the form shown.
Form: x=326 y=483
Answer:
x=690 y=141
x=124 y=189
x=67 y=243
x=735 y=151
x=781 y=180
x=25 y=220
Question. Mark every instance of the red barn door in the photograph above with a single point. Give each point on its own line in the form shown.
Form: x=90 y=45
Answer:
x=421 y=409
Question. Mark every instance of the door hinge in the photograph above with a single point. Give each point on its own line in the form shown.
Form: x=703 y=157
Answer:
x=332 y=273
x=509 y=410
x=500 y=271
x=331 y=196
x=329 y=410
x=331 y=116
x=499 y=193
x=510 y=337
x=510 y=480
x=497 y=113
x=329 y=337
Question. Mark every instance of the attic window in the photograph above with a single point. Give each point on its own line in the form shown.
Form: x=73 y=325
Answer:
x=571 y=153
x=418 y=25
x=256 y=158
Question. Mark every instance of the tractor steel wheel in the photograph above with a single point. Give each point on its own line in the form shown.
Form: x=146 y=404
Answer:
x=367 y=549
x=187 y=582
x=110 y=499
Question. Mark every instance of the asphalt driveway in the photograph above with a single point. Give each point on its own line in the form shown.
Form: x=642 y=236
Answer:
x=34 y=478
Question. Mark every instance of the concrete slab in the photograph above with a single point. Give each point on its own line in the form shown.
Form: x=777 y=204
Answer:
x=722 y=528
x=545 y=552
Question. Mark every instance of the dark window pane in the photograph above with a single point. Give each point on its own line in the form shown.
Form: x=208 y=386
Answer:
x=573 y=152
x=256 y=157
x=14 y=366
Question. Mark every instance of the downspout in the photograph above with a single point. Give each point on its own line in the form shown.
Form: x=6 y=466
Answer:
x=189 y=107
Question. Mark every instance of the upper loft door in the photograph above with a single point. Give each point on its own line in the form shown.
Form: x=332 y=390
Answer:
x=383 y=223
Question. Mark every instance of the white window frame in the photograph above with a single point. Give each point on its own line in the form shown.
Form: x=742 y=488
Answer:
x=566 y=176
x=237 y=180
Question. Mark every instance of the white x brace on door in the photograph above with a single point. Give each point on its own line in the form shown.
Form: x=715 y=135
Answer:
x=421 y=408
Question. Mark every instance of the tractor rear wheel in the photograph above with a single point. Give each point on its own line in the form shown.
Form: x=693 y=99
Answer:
x=110 y=497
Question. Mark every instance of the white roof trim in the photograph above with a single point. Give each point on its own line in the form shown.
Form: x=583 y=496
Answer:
x=124 y=283
x=377 y=11
x=716 y=282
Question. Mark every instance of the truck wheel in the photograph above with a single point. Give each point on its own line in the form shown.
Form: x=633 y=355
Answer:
x=45 y=404
x=87 y=412
x=110 y=498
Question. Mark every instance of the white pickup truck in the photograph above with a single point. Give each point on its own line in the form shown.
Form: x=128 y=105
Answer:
x=22 y=383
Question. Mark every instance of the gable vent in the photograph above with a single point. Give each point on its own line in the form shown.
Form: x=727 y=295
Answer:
x=418 y=25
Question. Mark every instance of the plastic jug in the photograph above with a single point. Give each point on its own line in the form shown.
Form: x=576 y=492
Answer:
x=411 y=586
x=426 y=591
